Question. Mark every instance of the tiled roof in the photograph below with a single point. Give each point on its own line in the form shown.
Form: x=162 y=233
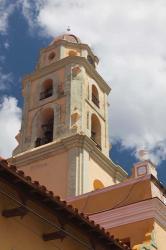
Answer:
x=40 y=192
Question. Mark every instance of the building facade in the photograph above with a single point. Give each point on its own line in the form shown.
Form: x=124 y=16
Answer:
x=64 y=144
x=134 y=210
x=65 y=121
x=33 y=218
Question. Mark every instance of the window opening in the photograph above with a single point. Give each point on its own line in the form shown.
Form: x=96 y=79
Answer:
x=91 y=61
x=95 y=96
x=45 y=131
x=96 y=131
x=51 y=56
x=47 y=89
x=72 y=53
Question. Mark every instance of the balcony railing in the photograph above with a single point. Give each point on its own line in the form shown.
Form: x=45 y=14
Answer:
x=42 y=140
x=93 y=134
x=45 y=94
x=95 y=100
x=48 y=127
x=47 y=134
x=98 y=146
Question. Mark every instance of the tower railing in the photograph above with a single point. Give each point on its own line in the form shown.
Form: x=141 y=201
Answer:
x=93 y=137
x=45 y=94
x=95 y=100
x=47 y=134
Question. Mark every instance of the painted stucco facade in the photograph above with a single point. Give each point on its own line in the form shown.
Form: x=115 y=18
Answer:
x=134 y=210
x=31 y=217
x=64 y=144
x=66 y=89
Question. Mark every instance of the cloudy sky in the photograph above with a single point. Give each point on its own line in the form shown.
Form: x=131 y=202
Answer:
x=128 y=36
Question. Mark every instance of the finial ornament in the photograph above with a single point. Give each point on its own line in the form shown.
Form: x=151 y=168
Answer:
x=68 y=29
x=143 y=154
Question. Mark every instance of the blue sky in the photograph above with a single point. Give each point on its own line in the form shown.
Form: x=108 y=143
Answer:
x=130 y=41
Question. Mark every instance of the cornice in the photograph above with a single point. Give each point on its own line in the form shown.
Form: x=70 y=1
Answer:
x=106 y=163
x=39 y=153
x=161 y=186
x=148 y=209
x=65 y=144
x=46 y=102
x=65 y=61
x=69 y=45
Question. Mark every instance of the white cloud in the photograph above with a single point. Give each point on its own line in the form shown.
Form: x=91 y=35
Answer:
x=9 y=125
x=6 y=8
x=30 y=10
x=129 y=37
x=5 y=78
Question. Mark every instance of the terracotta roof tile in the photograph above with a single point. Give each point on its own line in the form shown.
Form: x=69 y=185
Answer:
x=56 y=199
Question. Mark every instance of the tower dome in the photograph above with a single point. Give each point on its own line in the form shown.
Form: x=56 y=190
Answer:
x=66 y=37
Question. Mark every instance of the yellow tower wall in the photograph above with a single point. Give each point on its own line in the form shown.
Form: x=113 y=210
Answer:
x=97 y=173
x=51 y=172
x=160 y=236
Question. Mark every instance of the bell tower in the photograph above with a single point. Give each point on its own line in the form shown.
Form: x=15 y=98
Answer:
x=63 y=141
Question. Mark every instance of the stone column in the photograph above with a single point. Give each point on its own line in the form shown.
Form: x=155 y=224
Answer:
x=56 y=121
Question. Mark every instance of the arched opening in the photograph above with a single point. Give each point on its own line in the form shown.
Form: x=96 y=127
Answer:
x=95 y=96
x=97 y=184
x=96 y=130
x=45 y=127
x=72 y=53
x=91 y=61
x=51 y=56
x=47 y=89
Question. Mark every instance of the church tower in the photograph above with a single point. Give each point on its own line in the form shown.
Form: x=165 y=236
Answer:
x=64 y=141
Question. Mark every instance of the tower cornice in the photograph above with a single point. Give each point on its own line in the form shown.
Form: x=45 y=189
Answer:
x=78 y=140
x=70 y=45
x=66 y=61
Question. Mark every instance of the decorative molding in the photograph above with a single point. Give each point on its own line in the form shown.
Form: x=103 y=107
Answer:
x=149 y=242
x=46 y=102
x=65 y=144
x=148 y=209
x=65 y=61
x=158 y=192
x=69 y=45
x=78 y=171
x=104 y=162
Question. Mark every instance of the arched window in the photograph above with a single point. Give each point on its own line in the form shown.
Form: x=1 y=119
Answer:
x=45 y=127
x=97 y=184
x=90 y=60
x=96 y=130
x=95 y=96
x=72 y=53
x=47 y=89
x=51 y=56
